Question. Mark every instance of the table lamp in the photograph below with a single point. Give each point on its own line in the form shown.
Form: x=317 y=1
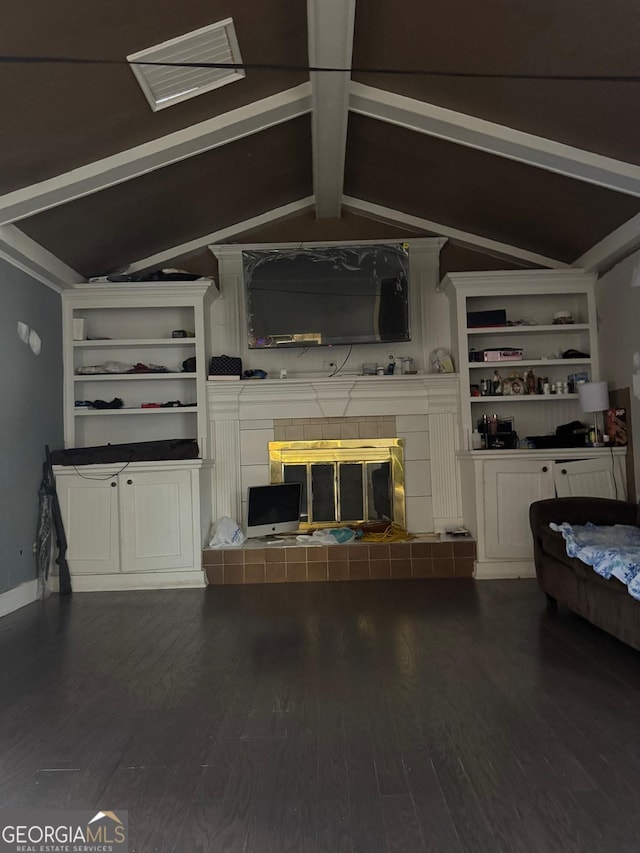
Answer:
x=594 y=398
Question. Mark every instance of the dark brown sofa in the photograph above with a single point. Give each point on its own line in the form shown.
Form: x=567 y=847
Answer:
x=568 y=581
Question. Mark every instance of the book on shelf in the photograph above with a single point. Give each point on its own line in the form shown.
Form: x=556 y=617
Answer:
x=211 y=378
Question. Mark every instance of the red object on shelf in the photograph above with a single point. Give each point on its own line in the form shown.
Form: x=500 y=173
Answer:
x=616 y=420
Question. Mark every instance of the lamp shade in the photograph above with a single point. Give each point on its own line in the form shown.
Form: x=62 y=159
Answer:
x=594 y=396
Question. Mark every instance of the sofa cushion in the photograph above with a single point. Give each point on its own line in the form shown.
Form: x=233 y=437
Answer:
x=553 y=545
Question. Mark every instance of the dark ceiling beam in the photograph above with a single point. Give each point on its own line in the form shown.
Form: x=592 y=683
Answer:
x=495 y=139
x=331 y=27
x=150 y=156
x=464 y=238
x=160 y=258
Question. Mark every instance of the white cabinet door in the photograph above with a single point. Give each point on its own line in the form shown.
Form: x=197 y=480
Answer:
x=510 y=487
x=89 y=509
x=156 y=520
x=601 y=478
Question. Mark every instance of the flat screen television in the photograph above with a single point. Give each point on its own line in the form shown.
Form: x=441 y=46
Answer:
x=273 y=509
x=324 y=296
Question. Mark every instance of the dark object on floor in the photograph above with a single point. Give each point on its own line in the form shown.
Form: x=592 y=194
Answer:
x=140 y=451
x=48 y=490
x=605 y=603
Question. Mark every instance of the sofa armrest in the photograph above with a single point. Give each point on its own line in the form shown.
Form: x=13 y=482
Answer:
x=577 y=510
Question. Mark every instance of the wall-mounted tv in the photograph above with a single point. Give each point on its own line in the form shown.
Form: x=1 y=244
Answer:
x=323 y=296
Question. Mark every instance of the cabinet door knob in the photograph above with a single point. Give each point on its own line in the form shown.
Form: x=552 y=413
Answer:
x=544 y=469
x=113 y=485
x=564 y=470
x=129 y=482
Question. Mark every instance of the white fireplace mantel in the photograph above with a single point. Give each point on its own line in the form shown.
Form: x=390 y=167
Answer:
x=332 y=397
x=235 y=406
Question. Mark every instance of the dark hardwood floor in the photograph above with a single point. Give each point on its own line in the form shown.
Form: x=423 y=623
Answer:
x=359 y=717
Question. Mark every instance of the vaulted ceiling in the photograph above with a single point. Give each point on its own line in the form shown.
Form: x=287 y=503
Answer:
x=512 y=129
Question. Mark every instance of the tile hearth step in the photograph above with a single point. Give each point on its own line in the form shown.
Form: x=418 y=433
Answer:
x=284 y=562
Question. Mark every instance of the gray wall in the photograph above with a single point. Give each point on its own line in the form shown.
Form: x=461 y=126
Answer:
x=30 y=414
x=619 y=336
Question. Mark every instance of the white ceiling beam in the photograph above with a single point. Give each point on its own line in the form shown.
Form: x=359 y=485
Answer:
x=465 y=238
x=495 y=139
x=330 y=36
x=24 y=253
x=149 y=156
x=157 y=260
x=612 y=248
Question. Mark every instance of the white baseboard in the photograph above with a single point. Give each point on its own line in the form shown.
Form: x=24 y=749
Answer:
x=18 y=597
x=504 y=569
x=139 y=580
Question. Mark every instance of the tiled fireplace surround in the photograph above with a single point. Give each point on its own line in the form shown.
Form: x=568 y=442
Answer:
x=422 y=410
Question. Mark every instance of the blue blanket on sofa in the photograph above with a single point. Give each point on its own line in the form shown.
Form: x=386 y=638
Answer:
x=613 y=551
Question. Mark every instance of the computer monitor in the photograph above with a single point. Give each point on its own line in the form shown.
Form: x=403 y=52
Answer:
x=273 y=509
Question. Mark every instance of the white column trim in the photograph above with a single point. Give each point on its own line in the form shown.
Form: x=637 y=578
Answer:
x=445 y=477
x=495 y=139
x=465 y=238
x=227 y=498
x=330 y=34
x=25 y=254
x=229 y=127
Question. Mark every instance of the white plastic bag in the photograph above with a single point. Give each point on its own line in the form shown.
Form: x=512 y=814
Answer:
x=333 y=536
x=226 y=533
x=440 y=361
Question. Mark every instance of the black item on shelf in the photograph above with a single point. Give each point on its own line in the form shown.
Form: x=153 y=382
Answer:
x=189 y=365
x=116 y=403
x=477 y=319
x=574 y=353
x=573 y=434
x=138 y=451
x=225 y=365
x=502 y=441
x=158 y=275
x=498 y=433
x=545 y=442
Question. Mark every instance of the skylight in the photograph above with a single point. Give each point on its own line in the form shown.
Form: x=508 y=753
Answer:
x=164 y=85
